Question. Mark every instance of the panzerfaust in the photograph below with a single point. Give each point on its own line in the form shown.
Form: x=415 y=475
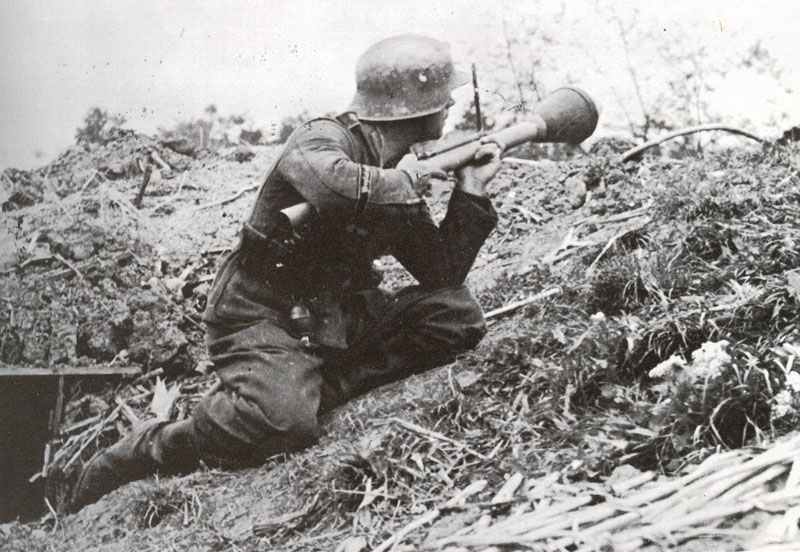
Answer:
x=567 y=115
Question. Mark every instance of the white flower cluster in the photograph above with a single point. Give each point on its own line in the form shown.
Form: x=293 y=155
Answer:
x=598 y=317
x=707 y=362
x=668 y=367
x=783 y=406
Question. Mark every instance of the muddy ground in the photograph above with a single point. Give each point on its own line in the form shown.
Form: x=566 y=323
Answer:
x=558 y=389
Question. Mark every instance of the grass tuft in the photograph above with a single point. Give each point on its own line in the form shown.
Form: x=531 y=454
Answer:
x=162 y=502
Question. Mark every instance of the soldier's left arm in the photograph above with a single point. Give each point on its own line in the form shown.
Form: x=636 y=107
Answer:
x=443 y=256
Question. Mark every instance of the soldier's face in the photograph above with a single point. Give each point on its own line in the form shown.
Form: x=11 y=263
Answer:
x=438 y=120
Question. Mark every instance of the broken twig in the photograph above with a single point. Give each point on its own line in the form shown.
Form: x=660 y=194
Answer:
x=158 y=160
x=618 y=217
x=523 y=302
x=525 y=162
x=148 y=376
x=71 y=266
x=148 y=171
x=633 y=152
x=234 y=197
x=80 y=425
x=435 y=435
x=97 y=431
x=89 y=180
x=127 y=411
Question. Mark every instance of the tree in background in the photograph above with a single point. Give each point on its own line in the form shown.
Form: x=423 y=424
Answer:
x=98 y=126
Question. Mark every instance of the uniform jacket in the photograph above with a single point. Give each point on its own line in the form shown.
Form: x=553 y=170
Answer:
x=364 y=211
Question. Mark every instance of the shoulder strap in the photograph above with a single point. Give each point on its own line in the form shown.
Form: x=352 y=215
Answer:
x=351 y=122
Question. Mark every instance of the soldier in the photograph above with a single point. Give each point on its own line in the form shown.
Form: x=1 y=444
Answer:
x=296 y=324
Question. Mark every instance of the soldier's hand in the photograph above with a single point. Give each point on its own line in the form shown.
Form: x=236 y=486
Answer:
x=474 y=177
x=420 y=173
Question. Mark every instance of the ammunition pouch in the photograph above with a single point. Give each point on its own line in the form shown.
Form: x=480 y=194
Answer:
x=263 y=255
x=275 y=259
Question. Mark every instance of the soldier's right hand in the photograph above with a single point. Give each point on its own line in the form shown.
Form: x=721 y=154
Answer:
x=473 y=177
x=420 y=173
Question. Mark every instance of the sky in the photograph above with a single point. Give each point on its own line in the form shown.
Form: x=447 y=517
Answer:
x=158 y=63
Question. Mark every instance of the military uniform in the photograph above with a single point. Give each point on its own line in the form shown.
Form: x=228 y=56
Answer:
x=296 y=321
x=275 y=382
x=273 y=385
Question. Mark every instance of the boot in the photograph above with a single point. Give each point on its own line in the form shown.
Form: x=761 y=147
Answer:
x=133 y=457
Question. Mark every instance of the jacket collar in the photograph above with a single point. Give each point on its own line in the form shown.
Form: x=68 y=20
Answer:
x=372 y=139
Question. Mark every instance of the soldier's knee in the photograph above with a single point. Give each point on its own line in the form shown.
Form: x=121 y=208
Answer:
x=463 y=316
x=235 y=431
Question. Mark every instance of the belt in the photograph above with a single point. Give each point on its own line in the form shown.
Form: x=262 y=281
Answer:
x=277 y=258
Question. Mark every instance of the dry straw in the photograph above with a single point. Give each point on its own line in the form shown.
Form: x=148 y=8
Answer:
x=696 y=505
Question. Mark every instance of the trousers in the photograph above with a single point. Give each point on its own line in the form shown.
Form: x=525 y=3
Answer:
x=273 y=387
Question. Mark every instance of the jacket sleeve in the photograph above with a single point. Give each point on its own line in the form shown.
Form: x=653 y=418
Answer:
x=318 y=162
x=443 y=256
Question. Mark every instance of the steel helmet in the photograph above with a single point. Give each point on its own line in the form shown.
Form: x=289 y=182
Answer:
x=404 y=76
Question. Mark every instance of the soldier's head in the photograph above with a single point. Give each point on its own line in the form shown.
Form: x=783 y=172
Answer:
x=406 y=80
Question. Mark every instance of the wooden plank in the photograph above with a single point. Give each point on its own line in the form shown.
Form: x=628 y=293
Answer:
x=7 y=370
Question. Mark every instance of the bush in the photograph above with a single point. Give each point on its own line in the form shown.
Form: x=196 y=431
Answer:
x=98 y=127
x=210 y=132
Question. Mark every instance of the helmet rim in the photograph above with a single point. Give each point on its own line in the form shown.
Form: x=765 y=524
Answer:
x=404 y=77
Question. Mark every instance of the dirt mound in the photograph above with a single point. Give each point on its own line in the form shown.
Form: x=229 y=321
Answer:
x=125 y=154
x=88 y=277
x=671 y=335
x=76 y=287
x=90 y=282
